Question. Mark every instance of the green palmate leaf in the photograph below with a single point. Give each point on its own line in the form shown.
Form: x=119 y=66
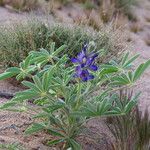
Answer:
x=39 y=59
x=27 y=61
x=52 y=108
x=58 y=80
x=115 y=111
x=107 y=71
x=56 y=122
x=118 y=102
x=128 y=62
x=52 y=47
x=130 y=76
x=129 y=106
x=124 y=59
x=103 y=107
x=74 y=145
x=54 y=142
x=31 y=86
x=36 y=127
x=102 y=96
x=38 y=83
x=44 y=52
x=59 y=50
x=55 y=132
x=114 y=63
x=140 y=70
x=7 y=105
x=25 y=95
x=41 y=115
x=47 y=77
x=120 y=80
x=13 y=70
x=93 y=110
x=42 y=57
x=118 y=110
x=62 y=60
x=7 y=75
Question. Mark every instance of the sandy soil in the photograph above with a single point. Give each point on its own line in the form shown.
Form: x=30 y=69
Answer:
x=141 y=43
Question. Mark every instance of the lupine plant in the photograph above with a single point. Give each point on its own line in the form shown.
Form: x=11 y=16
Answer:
x=68 y=92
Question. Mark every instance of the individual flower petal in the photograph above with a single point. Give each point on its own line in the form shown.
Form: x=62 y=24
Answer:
x=74 y=60
x=89 y=62
x=80 y=56
x=94 y=56
x=84 y=79
x=84 y=75
x=82 y=65
x=78 y=70
x=75 y=75
x=90 y=77
x=93 y=67
x=85 y=47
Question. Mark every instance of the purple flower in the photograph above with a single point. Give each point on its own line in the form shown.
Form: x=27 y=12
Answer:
x=86 y=63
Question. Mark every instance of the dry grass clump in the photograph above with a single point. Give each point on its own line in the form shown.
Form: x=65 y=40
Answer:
x=16 y=42
x=147 y=19
x=131 y=131
x=124 y=4
x=91 y=19
x=106 y=11
x=136 y=27
x=147 y=40
x=109 y=9
x=23 y=5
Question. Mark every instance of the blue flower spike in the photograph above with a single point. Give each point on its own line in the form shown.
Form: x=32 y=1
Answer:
x=85 y=64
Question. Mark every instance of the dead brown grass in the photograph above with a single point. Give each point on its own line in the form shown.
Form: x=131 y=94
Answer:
x=147 y=40
x=23 y=5
x=136 y=27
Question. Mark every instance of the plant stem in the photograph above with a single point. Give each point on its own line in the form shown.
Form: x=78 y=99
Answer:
x=78 y=94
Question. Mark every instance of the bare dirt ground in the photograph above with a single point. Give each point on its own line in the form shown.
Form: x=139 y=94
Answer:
x=141 y=43
x=13 y=124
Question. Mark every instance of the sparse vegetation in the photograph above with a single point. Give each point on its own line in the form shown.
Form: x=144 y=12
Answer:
x=124 y=4
x=16 y=42
x=12 y=146
x=136 y=27
x=88 y=4
x=23 y=5
x=131 y=131
x=125 y=7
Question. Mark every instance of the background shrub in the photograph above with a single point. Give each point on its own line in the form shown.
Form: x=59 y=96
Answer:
x=19 y=39
x=124 y=4
x=125 y=7
x=23 y=5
